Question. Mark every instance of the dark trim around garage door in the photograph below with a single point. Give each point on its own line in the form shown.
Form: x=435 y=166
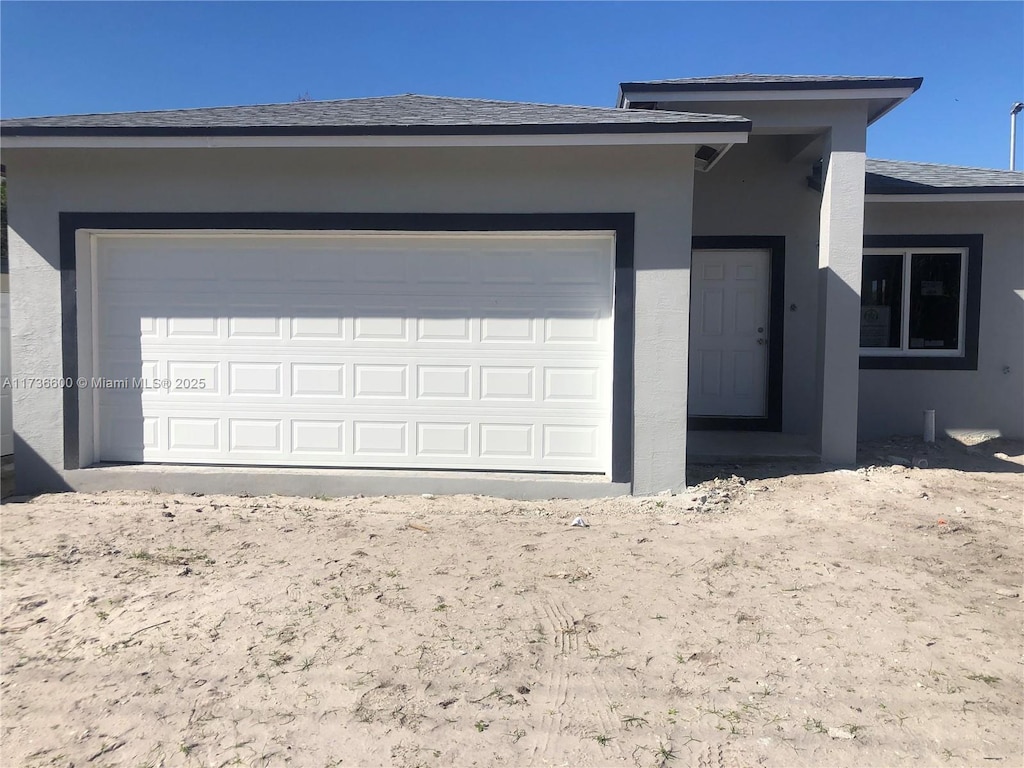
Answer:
x=772 y=420
x=620 y=223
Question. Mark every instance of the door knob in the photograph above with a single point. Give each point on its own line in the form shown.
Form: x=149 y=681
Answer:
x=760 y=330
x=760 y=341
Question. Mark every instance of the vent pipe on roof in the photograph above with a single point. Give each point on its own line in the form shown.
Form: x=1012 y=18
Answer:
x=1014 y=111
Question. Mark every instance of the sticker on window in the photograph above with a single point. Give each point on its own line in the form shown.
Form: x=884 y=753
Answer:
x=874 y=326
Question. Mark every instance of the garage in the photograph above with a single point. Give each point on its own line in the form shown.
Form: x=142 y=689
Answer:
x=340 y=297
x=415 y=350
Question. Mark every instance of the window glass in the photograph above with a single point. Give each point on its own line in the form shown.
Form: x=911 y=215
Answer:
x=881 y=297
x=934 y=321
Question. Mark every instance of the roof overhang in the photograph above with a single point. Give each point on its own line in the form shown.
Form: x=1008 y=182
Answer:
x=882 y=95
x=952 y=196
x=696 y=135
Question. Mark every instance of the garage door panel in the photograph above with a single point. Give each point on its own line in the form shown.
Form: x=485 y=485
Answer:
x=439 y=351
x=444 y=441
x=322 y=323
x=567 y=441
x=578 y=384
x=318 y=380
x=324 y=437
x=261 y=436
x=508 y=328
x=195 y=378
x=444 y=382
x=166 y=326
x=194 y=434
x=380 y=438
x=444 y=325
x=251 y=323
x=387 y=326
x=381 y=381
x=263 y=379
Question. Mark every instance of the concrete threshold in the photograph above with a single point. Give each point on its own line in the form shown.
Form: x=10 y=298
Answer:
x=298 y=481
x=724 y=447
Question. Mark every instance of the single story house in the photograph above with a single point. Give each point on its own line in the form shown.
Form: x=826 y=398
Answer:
x=414 y=293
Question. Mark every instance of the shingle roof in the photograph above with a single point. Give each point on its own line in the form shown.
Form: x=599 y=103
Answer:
x=405 y=115
x=901 y=177
x=751 y=82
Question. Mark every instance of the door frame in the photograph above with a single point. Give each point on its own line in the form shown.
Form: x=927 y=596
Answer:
x=776 y=247
x=622 y=225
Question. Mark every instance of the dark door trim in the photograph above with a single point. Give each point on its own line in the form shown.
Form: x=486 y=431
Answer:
x=772 y=420
x=622 y=224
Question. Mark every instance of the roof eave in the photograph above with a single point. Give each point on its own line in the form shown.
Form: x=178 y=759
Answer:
x=891 y=92
x=947 y=195
x=697 y=133
x=532 y=129
x=932 y=194
x=868 y=83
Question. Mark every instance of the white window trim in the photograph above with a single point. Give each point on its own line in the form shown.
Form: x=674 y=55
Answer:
x=904 y=349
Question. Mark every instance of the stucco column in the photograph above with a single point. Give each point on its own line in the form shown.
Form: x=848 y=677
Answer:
x=662 y=332
x=840 y=253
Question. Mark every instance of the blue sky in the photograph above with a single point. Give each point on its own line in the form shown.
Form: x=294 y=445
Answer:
x=100 y=57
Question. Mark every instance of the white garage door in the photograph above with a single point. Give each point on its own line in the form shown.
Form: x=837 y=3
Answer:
x=485 y=351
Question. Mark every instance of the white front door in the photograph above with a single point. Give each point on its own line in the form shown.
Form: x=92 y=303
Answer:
x=729 y=333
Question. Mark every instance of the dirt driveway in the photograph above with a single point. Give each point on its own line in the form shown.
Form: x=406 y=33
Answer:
x=848 y=618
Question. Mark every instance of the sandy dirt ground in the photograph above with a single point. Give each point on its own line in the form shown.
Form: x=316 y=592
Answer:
x=787 y=617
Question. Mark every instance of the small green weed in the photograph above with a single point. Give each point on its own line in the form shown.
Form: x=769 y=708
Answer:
x=987 y=679
x=814 y=726
x=665 y=753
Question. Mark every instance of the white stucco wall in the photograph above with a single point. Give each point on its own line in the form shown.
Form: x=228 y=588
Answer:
x=990 y=399
x=653 y=182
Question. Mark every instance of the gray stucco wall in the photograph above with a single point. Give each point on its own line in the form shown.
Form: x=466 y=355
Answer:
x=653 y=182
x=991 y=398
x=755 y=190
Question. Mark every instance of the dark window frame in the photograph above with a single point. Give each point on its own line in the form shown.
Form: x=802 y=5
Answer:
x=623 y=320
x=972 y=245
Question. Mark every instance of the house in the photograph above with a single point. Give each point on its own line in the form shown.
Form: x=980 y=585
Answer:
x=413 y=293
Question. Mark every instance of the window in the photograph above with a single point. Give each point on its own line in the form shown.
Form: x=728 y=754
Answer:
x=916 y=307
x=911 y=302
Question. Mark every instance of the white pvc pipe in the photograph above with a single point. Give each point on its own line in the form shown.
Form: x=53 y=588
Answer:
x=929 y=426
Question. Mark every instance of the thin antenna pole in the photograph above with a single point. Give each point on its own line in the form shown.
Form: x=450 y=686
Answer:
x=1014 y=111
